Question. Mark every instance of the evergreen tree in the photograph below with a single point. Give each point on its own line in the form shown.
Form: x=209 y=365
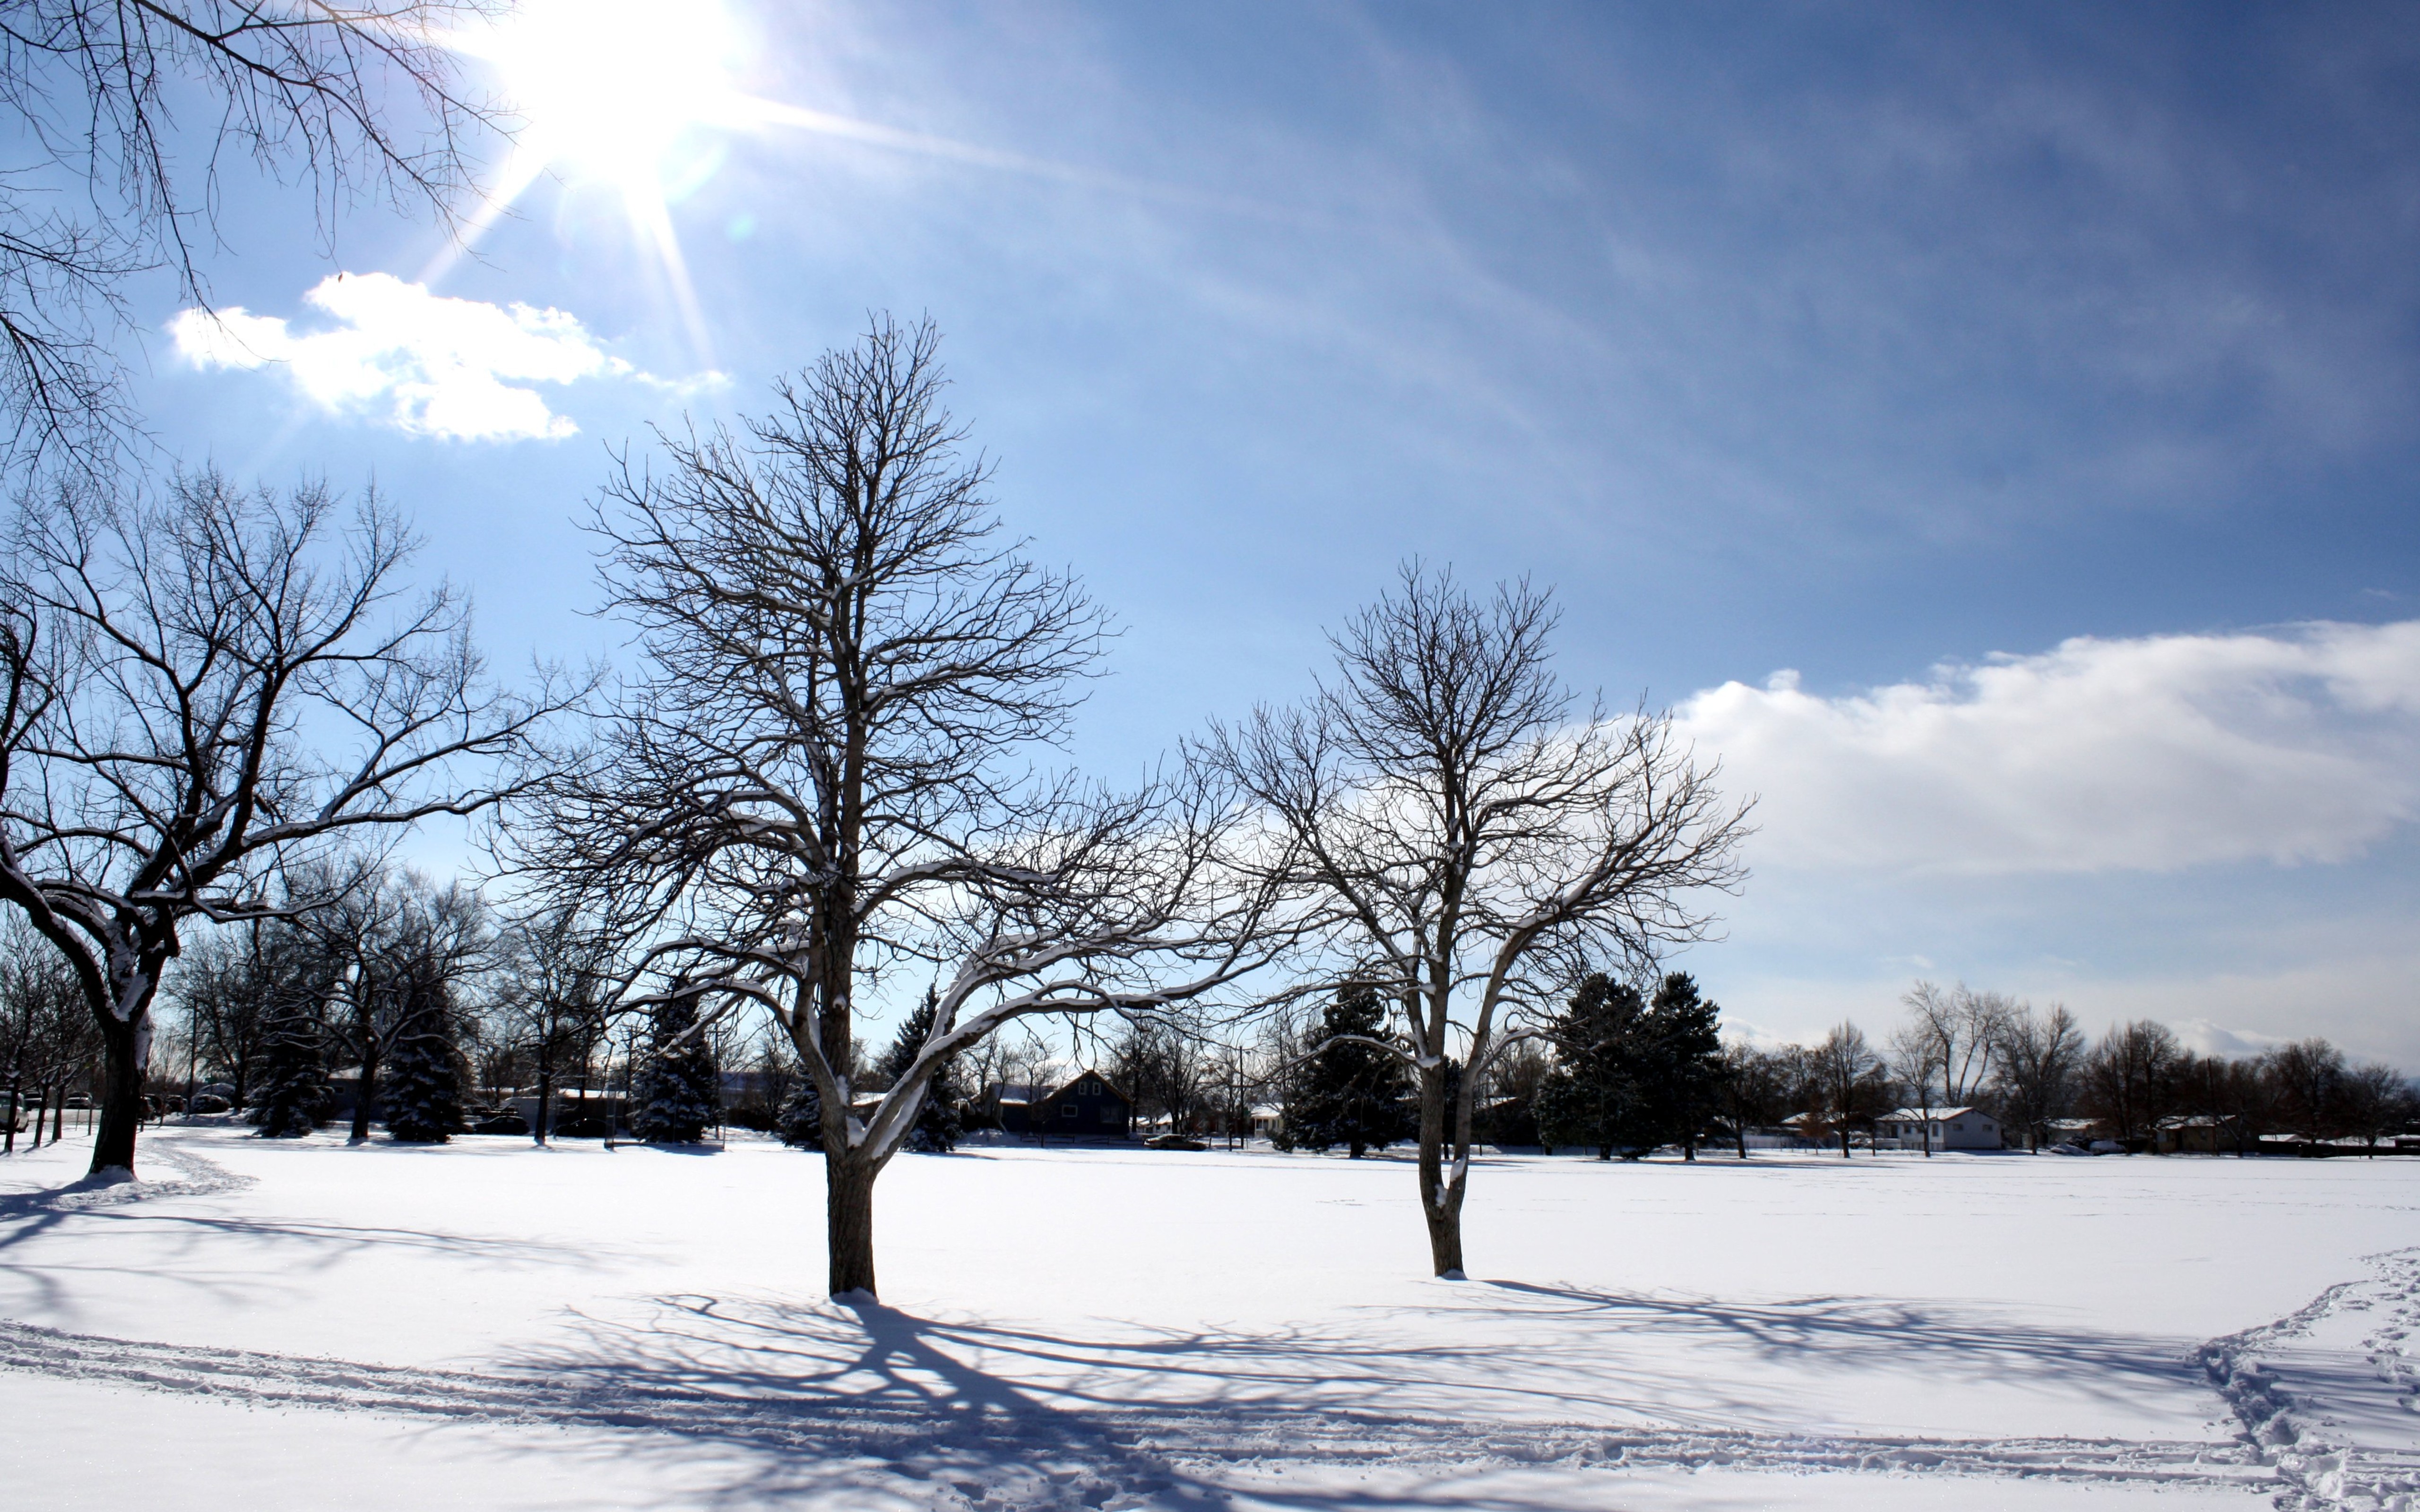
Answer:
x=801 y=1123
x=1350 y=1094
x=680 y=1091
x=291 y=1092
x=423 y=1097
x=1684 y=1058
x=1602 y=1094
x=940 y=1120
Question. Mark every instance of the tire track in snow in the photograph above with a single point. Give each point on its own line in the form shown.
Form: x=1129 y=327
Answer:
x=1035 y=1455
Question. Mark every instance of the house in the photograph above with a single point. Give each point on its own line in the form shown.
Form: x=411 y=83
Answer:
x=1087 y=1105
x=2082 y=1132
x=1950 y=1129
x=2199 y=1134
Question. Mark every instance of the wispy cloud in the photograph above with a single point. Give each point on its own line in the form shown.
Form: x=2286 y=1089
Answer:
x=424 y=363
x=2151 y=754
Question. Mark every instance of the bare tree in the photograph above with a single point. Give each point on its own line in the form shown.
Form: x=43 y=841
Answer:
x=1755 y=1088
x=1917 y=1060
x=359 y=97
x=2377 y=1101
x=2129 y=1081
x=44 y=1034
x=2036 y=1066
x=200 y=690
x=1848 y=1076
x=225 y=982
x=388 y=937
x=2307 y=1080
x=559 y=973
x=818 y=784
x=1451 y=829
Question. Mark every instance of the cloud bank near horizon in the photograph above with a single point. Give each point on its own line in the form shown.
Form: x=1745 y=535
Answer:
x=422 y=363
x=2156 y=754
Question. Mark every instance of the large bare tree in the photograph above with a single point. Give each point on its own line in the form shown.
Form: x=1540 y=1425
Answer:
x=819 y=788
x=107 y=182
x=1465 y=839
x=202 y=690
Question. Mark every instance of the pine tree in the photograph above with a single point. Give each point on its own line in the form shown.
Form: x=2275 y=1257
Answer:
x=1602 y=1094
x=423 y=1097
x=1351 y=1094
x=292 y=1091
x=940 y=1120
x=1687 y=1064
x=680 y=1091
x=801 y=1123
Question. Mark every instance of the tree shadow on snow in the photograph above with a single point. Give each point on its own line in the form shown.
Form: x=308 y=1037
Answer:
x=978 y=1411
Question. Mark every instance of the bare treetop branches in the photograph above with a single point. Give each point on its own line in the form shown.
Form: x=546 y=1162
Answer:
x=130 y=105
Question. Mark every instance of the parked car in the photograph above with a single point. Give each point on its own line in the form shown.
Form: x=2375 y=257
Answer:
x=211 y=1103
x=1175 y=1141
x=502 y=1124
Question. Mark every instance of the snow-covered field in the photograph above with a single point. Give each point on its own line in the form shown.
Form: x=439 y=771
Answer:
x=491 y=1325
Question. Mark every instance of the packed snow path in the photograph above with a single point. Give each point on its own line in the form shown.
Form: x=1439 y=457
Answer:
x=1509 y=1393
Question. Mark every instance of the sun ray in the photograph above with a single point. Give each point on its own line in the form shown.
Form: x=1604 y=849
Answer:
x=521 y=169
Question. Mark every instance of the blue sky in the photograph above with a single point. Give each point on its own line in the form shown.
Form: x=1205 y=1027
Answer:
x=2025 y=382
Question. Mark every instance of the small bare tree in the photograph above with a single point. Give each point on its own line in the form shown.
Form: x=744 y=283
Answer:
x=817 y=785
x=1847 y=1075
x=1459 y=840
x=2035 y=1064
x=198 y=691
x=1915 y=1059
x=92 y=90
x=560 y=968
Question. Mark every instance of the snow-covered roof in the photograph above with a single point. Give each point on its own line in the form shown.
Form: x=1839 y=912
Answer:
x=1936 y=1114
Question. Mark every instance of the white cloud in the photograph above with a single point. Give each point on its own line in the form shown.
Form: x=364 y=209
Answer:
x=2152 y=754
x=424 y=363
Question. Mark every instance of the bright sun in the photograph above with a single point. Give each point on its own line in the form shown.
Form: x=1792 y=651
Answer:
x=610 y=87
x=619 y=91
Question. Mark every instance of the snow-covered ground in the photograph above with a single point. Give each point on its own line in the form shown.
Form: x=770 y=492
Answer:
x=493 y=1325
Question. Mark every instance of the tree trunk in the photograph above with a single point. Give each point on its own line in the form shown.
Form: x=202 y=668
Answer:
x=364 y=1088
x=545 y=1089
x=123 y=1047
x=1844 y=1141
x=1441 y=1203
x=849 y=1214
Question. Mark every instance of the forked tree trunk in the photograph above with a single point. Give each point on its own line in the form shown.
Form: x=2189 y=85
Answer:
x=848 y=1214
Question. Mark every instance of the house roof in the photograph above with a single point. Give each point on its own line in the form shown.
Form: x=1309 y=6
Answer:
x=1072 y=1082
x=1936 y=1114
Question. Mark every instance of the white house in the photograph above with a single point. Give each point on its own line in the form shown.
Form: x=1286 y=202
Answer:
x=1952 y=1129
